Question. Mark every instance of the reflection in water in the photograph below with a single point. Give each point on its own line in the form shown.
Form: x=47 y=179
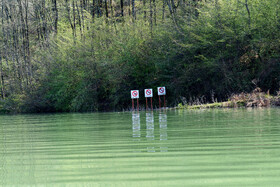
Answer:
x=150 y=128
x=154 y=137
x=163 y=130
x=227 y=148
x=136 y=127
x=3 y=158
x=163 y=126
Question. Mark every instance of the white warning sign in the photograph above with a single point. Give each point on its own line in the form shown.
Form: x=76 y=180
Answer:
x=161 y=91
x=148 y=92
x=134 y=94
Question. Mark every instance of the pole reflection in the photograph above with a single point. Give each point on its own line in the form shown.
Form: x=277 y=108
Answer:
x=163 y=130
x=150 y=129
x=156 y=136
x=136 y=127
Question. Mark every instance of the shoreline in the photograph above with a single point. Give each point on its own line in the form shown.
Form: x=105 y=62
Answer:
x=256 y=99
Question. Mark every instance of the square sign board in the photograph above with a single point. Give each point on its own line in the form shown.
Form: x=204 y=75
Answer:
x=161 y=91
x=148 y=92
x=134 y=94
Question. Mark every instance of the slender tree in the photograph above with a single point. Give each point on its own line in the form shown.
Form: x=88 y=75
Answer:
x=55 y=12
x=133 y=10
x=122 y=8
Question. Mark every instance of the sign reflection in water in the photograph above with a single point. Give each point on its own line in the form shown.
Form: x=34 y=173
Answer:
x=219 y=147
x=150 y=129
x=136 y=127
x=154 y=136
x=163 y=130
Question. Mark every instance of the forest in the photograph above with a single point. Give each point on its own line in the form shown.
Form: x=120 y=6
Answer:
x=86 y=55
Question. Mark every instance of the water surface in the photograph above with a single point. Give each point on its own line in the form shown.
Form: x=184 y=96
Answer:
x=227 y=147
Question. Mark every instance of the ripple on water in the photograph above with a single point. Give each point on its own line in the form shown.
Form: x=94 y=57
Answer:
x=173 y=148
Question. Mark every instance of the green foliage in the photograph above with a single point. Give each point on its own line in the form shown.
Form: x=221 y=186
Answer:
x=217 y=49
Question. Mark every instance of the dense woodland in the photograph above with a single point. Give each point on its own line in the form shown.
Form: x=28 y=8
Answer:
x=86 y=55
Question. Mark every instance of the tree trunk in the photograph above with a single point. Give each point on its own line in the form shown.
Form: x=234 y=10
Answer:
x=163 y=9
x=55 y=11
x=74 y=18
x=155 y=12
x=129 y=12
x=151 y=17
x=83 y=7
x=79 y=19
x=100 y=8
x=106 y=9
x=93 y=9
x=249 y=13
x=133 y=10
x=27 y=43
x=2 y=83
x=145 y=12
x=1 y=54
x=122 y=8
x=112 y=9
x=73 y=25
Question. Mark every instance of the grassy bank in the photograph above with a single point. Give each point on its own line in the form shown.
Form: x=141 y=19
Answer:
x=245 y=100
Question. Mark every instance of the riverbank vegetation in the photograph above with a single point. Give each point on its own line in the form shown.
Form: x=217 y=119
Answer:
x=86 y=55
x=244 y=100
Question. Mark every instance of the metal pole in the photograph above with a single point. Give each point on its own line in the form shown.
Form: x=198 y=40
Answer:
x=146 y=103
x=137 y=104
x=159 y=102
x=132 y=104
x=151 y=103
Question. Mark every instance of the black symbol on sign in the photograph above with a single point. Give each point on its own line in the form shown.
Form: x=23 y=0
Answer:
x=148 y=92
x=134 y=94
x=161 y=90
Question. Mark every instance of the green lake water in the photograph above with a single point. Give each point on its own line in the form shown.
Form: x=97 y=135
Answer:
x=225 y=147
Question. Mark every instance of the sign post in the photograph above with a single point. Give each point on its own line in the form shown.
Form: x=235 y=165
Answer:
x=137 y=104
x=135 y=95
x=161 y=91
x=149 y=93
